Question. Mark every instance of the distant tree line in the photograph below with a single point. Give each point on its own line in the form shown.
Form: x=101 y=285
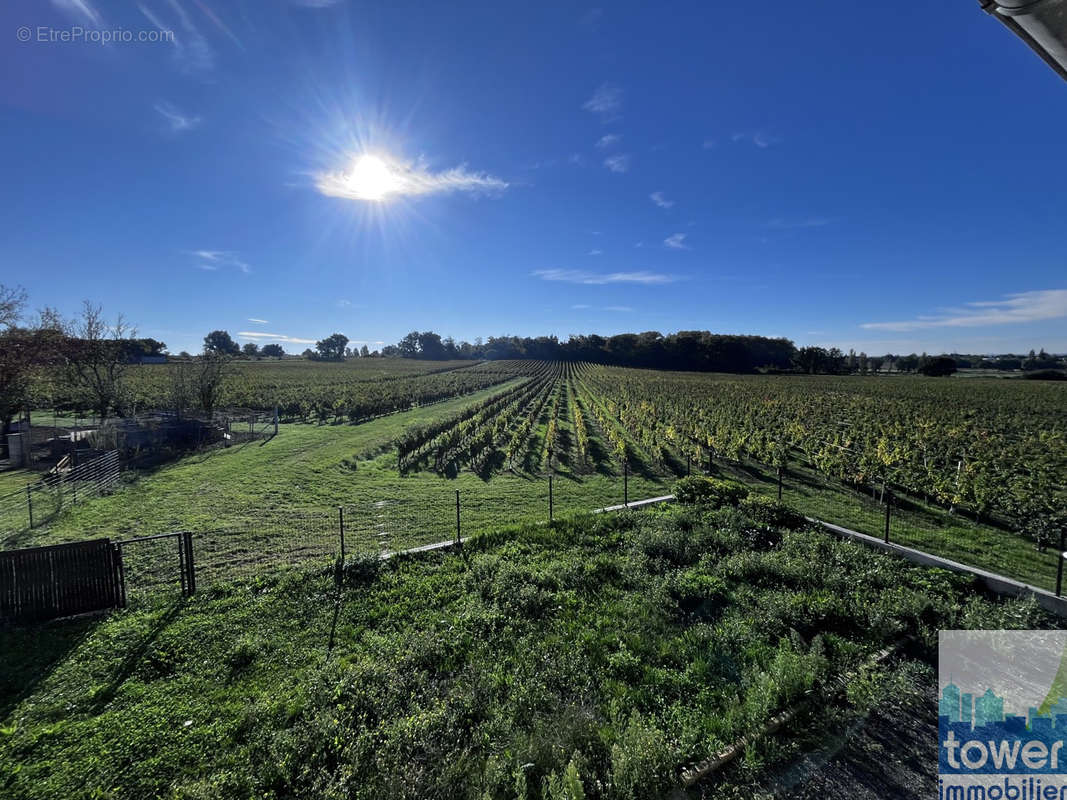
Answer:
x=699 y=351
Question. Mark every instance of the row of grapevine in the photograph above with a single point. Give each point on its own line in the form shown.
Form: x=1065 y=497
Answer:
x=1007 y=453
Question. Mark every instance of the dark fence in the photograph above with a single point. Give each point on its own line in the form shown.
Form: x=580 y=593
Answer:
x=60 y=580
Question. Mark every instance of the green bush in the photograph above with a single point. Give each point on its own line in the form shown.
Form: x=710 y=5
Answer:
x=359 y=569
x=770 y=512
x=709 y=491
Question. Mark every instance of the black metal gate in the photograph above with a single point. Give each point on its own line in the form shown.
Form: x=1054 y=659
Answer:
x=42 y=583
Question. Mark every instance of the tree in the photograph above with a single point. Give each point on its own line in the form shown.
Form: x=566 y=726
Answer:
x=97 y=355
x=221 y=343
x=308 y=353
x=332 y=348
x=364 y=352
x=12 y=304
x=250 y=349
x=938 y=367
x=22 y=351
x=408 y=347
x=210 y=377
x=272 y=351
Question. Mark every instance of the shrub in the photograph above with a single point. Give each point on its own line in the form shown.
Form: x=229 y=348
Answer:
x=770 y=512
x=708 y=491
x=359 y=569
x=642 y=761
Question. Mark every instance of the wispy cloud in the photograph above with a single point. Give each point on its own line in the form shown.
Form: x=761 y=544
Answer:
x=580 y=306
x=176 y=120
x=806 y=222
x=577 y=159
x=608 y=140
x=676 y=241
x=760 y=139
x=81 y=10
x=601 y=278
x=315 y=3
x=1014 y=309
x=660 y=200
x=606 y=101
x=192 y=53
x=709 y=144
x=220 y=259
x=274 y=337
x=617 y=308
x=595 y=252
x=407 y=179
x=259 y=321
x=591 y=18
x=618 y=163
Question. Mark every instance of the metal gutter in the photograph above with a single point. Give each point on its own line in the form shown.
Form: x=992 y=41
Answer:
x=1042 y=24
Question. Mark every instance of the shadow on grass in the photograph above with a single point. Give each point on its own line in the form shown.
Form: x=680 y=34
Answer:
x=136 y=653
x=32 y=653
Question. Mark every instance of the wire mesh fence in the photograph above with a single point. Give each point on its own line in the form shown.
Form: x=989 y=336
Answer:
x=905 y=520
x=75 y=480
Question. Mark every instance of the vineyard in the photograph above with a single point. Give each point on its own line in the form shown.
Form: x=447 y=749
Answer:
x=353 y=390
x=989 y=448
x=974 y=469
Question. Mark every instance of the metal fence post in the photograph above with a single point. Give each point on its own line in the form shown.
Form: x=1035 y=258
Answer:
x=1059 y=565
x=458 y=538
x=888 y=505
x=190 y=563
x=550 y=498
x=626 y=482
x=341 y=524
x=29 y=503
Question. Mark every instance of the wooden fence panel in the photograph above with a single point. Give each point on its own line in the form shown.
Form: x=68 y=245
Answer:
x=41 y=583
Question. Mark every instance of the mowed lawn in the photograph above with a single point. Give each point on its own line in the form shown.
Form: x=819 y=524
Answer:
x=319 y=467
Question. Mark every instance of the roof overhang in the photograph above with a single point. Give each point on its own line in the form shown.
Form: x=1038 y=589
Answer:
x=1042 y=24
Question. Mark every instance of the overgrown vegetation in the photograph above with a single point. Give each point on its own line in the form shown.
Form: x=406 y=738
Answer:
x=595 y=657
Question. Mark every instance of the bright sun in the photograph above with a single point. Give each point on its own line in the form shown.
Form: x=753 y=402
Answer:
x=371 y=178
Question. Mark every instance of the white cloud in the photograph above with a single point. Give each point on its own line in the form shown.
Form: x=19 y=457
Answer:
x=760 y=139
x=276 y=337
x=619 y=163
x=600 y=278
x=81 y=10
x=1015 y=308
x=617 y=308
x=676 y=241
x=217 y=259
x=709 y=144
x=595 y=252
x=807 y=222
x=660 y=200
x=577 y=159
x=608 y=140
x=406 y=179
x=606 y=101
x=175 y=119
x=259 y=321
x=192 y=52
x=580 y=306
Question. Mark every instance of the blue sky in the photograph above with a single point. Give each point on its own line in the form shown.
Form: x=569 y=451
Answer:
x=888 y=178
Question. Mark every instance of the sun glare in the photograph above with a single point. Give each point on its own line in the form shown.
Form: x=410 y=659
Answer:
x=371 y=178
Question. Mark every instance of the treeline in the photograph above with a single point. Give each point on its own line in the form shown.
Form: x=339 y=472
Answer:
x=686 y=350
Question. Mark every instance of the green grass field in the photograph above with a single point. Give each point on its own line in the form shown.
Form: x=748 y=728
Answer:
x=605 y=652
